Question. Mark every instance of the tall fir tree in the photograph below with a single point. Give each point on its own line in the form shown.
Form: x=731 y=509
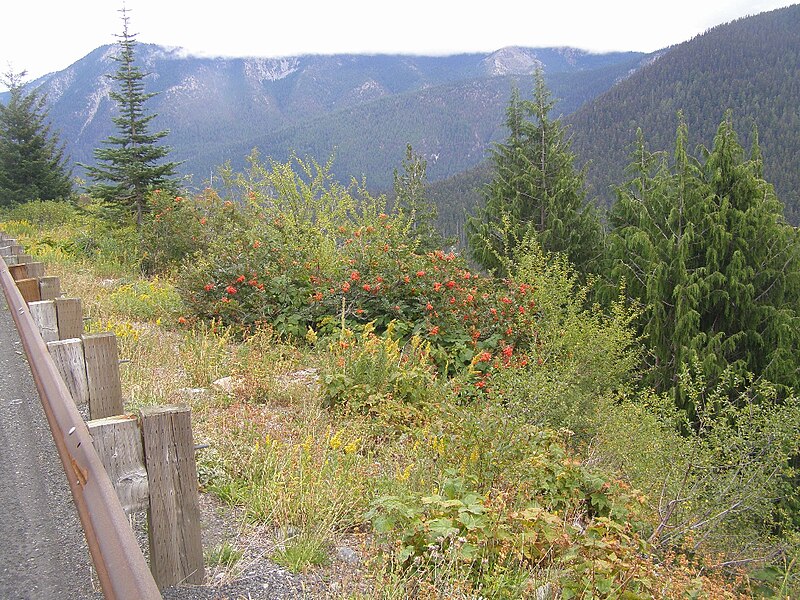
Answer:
x=32 y=162
x=535 y=189
x=132 y=163
x=703 y=244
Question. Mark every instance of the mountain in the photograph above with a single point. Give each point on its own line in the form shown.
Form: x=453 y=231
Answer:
x=364 y=108
x=750 y=66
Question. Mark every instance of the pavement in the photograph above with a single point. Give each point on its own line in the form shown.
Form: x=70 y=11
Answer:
x=43 y=551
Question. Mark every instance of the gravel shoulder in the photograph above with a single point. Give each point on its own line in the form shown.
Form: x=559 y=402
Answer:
x=44 y=552
x=256 y=576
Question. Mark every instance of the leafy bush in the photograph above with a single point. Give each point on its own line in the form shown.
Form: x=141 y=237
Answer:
x=173 y=229
x=565 y=527
x=577 y=353
x=378 y=377
x=724 y=488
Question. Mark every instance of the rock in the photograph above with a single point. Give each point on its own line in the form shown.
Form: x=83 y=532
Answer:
x=347 y=555
x=307 y=377
x=545 y=592
x=224 y=384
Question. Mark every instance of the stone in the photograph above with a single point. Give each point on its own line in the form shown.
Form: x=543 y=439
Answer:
x=347 y=555
x=224 y=384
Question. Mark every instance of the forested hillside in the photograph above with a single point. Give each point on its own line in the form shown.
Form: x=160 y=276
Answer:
x=365 y=108
x=751 y=66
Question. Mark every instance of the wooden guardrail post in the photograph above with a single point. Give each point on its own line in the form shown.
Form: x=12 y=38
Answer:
x=118 y=441
x=176 y=549
x=71 y=364
x=70 y=318
x=102 y=373
x=44 y=315
x=18 y=271
x=49 y=287
x=35 y=269
x=29 y=288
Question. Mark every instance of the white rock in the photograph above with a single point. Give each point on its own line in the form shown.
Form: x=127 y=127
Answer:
x=224 y=384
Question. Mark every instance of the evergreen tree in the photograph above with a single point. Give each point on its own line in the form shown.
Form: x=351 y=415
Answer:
x=132 y=163
x=32 y=163
x=535 y=189
x=704 y=246
x=412 y=202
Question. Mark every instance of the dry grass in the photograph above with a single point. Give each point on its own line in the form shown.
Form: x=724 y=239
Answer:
x=300 y=476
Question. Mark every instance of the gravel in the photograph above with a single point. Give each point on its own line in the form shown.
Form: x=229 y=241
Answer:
x=44 y=552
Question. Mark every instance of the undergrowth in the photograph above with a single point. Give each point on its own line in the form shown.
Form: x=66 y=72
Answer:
x=463 y=433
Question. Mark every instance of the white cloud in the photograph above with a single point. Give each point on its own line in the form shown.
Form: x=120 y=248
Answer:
x=50 y=35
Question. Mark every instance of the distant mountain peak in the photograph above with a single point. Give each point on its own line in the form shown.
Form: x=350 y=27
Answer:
x=270 y=69
x=512 y=60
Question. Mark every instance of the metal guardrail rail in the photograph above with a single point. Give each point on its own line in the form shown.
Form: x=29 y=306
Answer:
x=118 y=560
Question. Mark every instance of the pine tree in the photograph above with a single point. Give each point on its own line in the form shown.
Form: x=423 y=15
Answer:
x=132 y=164
x=535 y=189
x=703 y=244
x=32 y=163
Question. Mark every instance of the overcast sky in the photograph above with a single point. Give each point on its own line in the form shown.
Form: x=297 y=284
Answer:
x=41 y=36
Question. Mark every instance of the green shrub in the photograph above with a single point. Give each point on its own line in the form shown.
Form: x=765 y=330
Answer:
x=577 y=353
x=489 y=535
x=147 y=300
x=380 y=378
x=725 y=488
x=43 y=215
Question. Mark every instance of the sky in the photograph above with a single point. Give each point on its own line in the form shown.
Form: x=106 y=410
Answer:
x=43 y=36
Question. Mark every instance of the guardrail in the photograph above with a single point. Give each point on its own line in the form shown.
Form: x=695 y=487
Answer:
x=121 y=568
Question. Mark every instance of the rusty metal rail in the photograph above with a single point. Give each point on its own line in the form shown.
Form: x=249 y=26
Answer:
x=118 y=560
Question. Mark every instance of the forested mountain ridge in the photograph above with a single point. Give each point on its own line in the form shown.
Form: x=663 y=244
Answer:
x=750 y=66
x=365 y=108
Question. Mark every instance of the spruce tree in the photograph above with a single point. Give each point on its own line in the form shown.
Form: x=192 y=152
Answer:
x=32 y=163
x=703 y=245
x=535 y=189
x=131 y=165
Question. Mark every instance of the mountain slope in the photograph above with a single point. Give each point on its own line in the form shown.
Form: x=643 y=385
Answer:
x=751 y=66
x=366 y=107
x=451 y=125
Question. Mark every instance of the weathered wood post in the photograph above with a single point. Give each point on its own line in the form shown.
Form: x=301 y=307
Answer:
x=118 y=441
x=35 y=269
x=43 y=314
x=176 y=548
x=29 y=288
x=18 y=271
x=49 y=287
x=70 y=317
x=68 y=358
x=102 y=372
